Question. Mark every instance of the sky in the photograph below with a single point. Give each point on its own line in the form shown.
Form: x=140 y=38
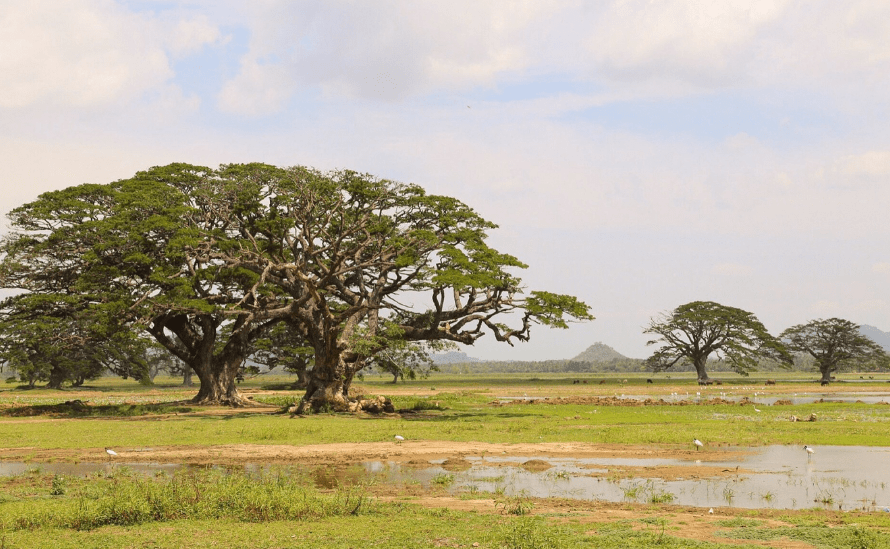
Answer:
x=638 y=154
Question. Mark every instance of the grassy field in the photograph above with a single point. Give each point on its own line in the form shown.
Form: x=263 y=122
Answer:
x=118 y=509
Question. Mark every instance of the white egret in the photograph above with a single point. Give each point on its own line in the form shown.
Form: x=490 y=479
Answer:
x=809 y=450
x=711 y=511
x=110 y=452
x=399 y=438
x=698 y=443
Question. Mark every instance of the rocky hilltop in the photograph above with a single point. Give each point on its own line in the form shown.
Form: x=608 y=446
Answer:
x=599 y=352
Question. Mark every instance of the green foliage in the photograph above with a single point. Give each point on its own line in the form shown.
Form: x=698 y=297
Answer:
x=835 y=344
x=695 y=331
x=443 y=479
x=59 y=486
x=212 y=262
x=124 y=499
x=514 y=505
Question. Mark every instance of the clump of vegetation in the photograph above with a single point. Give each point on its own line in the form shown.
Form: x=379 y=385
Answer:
x=443 y=479
x=532 y=533
x=514 y=505
x=59 y=486
x=126 y=499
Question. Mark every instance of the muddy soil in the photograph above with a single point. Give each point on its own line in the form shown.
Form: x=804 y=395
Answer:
x=409 y=452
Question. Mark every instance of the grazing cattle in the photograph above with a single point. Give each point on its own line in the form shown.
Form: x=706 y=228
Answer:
x=648 y=381
x=576 y=382
x=705 y=382
x=584 y=382
x=718 y=382
x=602 y=382
x=770 y=382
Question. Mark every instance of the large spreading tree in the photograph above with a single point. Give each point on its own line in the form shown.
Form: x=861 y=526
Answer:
x=834 y=344
x=700 y=330
x=210 y=261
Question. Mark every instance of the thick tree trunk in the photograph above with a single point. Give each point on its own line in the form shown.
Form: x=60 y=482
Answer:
x=302 y=378
x=218 y=375
x=700 y=368
x=328 y=386
x=56 y=377
x=187 y=377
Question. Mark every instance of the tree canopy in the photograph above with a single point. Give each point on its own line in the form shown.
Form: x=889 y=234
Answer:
x=46 y=338
x=701 y=329
x=210 y=261
x=834 y=344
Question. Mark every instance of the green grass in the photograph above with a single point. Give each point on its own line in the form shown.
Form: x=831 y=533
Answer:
x=461 y=416
x=849 y=537
x=206 y=508
x=215 y=510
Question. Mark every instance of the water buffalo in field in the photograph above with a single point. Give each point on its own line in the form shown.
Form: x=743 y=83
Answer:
x=770 y=382
x=648 y=381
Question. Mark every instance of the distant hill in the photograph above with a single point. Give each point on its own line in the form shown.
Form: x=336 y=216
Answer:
x=878 y=336
x=452 y=357
x=599 y=352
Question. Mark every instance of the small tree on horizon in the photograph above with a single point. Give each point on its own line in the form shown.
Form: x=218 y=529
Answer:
x=834 y=344
x=696 y=331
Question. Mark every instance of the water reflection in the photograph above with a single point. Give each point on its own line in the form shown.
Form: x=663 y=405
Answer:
x=781 y=477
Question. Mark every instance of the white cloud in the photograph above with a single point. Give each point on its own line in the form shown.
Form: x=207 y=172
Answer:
x=871 y=163
x=731 y=269
x=190 y=35
x=699 y=41
x=382 y=50
x=88 y=53
x=257 y=90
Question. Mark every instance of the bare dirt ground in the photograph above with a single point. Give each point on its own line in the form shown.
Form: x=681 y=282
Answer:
x=412 y=452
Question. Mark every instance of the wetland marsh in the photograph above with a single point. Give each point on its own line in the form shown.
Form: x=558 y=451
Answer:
x=581 y=462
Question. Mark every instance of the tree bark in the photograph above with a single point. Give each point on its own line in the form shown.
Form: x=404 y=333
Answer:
x=56 y=377
x=218 y=376
x=700 y=367
x=302 y=378
x=328 y=386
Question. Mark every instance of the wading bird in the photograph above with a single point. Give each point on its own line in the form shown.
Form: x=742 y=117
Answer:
x=809 y=450
x=698 y=443
x=110 y=452
x=399 y=438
